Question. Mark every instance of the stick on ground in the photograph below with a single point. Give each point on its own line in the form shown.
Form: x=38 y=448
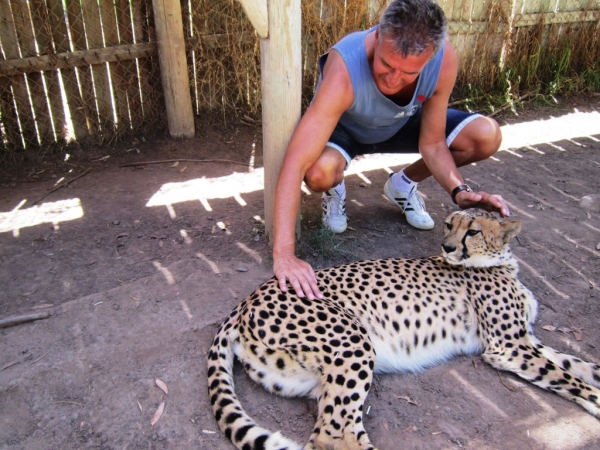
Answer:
x=63 y=184
x=166 y=161
x=16 y=320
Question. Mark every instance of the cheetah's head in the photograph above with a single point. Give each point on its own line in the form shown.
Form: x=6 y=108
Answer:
x=476 y=238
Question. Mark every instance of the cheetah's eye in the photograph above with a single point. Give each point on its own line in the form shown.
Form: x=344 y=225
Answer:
x=473 y=232
x=449 y=226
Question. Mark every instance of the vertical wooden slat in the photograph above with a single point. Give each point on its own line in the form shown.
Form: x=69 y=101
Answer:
x=100 y=75
x=26 y=37
x=143 y=31
x=116 y=70
x=43 y=33
x=10 y=46
x=83 y=71
x=69 y=77
x=131 y=82
x=8 y=113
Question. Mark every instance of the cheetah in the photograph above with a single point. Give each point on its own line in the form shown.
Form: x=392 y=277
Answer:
x=387 y=315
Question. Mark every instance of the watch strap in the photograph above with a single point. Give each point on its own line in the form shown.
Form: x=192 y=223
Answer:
x=457 y=189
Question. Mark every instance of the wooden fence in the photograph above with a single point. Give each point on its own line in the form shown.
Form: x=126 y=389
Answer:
x=503 y=45
x=76 y=70
x=88 y=69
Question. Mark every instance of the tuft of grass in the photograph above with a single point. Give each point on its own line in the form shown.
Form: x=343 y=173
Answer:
x=321 y=241
x=591 y=78
x=317 y=241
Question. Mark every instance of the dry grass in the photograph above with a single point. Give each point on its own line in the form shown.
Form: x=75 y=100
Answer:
x=526 y=61
x=225 y=73
x=498 y=65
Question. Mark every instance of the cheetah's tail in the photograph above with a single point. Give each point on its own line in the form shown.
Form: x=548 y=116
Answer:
x=234 y=422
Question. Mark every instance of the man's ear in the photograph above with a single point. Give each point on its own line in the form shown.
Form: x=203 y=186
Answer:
x=510 y=228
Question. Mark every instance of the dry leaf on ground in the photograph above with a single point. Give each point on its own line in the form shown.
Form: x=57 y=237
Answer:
x=577 y=332
x=161 y=384
x=158 y=414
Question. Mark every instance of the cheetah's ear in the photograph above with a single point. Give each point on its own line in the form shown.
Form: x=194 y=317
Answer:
x=510 y=228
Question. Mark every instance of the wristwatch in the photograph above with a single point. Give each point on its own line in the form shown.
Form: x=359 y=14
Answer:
x=462 y=187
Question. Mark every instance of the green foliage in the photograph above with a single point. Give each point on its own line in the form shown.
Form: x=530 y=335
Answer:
x=538 y=61
x=317 y=240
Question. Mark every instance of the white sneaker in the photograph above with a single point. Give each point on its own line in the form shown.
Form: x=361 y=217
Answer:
x=334 y=211
x=411 y=204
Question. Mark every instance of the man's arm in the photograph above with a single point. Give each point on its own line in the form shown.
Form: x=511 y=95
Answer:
x=432 y=141
x=333 y=97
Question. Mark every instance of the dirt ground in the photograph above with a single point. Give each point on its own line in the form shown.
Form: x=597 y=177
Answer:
x=137 y=265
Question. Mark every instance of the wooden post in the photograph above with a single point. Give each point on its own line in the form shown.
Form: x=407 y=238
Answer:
x=173 y=67
x=281 y=74
x=256 y=10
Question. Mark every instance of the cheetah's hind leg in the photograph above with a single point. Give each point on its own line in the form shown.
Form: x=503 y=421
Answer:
x=344 y=389
x=543 y=366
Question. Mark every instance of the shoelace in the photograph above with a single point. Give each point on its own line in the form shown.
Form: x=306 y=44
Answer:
x=334 y=205
x=419 y=200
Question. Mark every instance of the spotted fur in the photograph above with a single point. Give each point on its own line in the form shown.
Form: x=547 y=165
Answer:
x=387 y=315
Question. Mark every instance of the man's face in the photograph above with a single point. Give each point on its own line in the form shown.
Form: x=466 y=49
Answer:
x=391 y=71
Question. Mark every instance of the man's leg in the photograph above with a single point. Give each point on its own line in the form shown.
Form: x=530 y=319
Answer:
x=478 y=140
x=327 y=175
x=327 y=171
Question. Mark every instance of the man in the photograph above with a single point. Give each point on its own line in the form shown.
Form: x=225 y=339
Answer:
x=381 y=90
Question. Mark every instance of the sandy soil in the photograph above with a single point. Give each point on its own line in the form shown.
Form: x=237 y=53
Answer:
x=137 y=265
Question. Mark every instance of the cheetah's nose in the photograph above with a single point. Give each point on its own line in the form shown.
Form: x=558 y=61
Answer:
x=448 y=248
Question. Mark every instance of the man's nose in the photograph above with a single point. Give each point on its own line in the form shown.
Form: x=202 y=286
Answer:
x=393 y=78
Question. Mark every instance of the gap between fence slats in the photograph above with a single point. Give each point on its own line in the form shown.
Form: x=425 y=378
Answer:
x=71 y=76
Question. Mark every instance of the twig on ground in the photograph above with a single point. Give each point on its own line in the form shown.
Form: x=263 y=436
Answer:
x=371 y=228
x=167 y=161
x=65 y=401
x=510 y=104
x=63 y=184
x=464 y=100
x=510 y=388
x=10 y=364
x=40 y=358
x=16 y=320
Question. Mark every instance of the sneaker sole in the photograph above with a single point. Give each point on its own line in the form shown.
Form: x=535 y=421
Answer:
x=336 y=230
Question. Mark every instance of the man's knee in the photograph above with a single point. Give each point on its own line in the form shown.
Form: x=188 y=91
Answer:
x=488 y=137
x=318 y=179
x=480 y=139
x=326 y=172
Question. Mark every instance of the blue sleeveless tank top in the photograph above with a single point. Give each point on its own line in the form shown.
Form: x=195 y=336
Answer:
x=373 y=117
